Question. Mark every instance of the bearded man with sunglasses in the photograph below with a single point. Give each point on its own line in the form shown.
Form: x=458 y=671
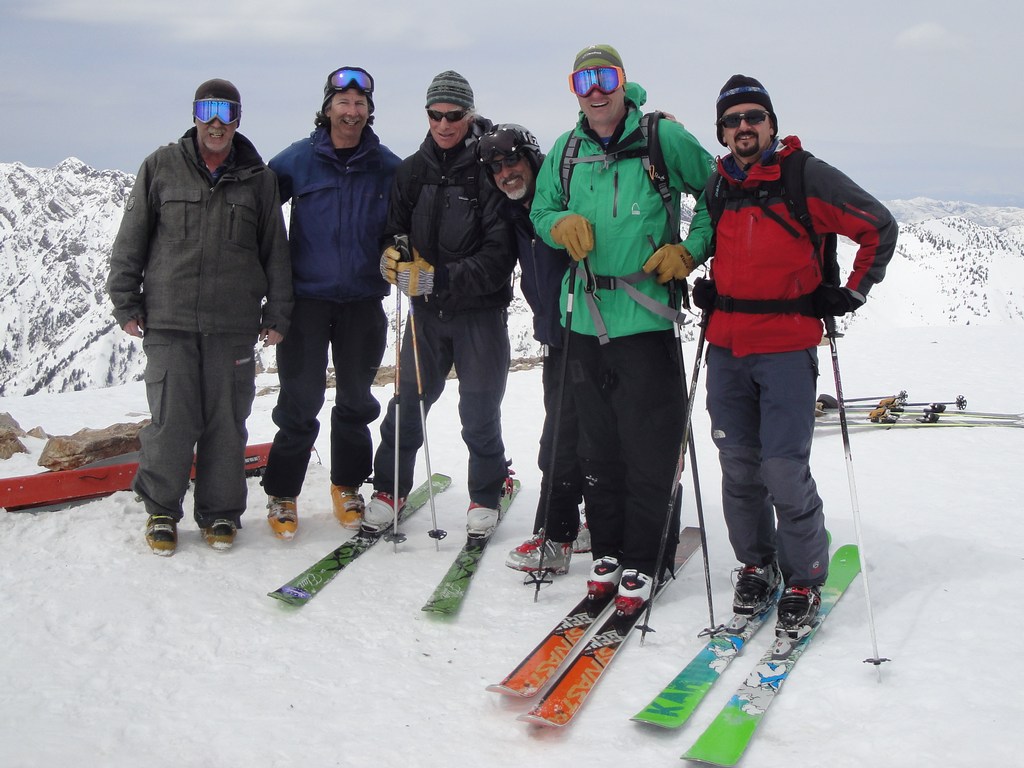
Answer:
x=770 y=290
x=200 y=270
x=338 y=180
x=453 y=257
x=624 y=365
x=511 y=158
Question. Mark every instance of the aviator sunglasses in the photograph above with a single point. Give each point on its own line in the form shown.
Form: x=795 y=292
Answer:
x=205 y=110
x=753 y=117
x=604 y=79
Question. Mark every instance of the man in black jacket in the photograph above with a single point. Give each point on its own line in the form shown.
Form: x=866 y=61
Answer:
x=459 y=283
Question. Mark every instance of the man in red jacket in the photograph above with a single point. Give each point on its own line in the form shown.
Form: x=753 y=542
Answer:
x=766 y=302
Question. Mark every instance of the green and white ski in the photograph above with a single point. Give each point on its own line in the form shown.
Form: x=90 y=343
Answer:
x=724 y=741
x=308 y=584
x=449 y=594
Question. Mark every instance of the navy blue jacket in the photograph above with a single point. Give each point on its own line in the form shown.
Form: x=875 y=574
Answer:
x=338 y=214
x=543 y=268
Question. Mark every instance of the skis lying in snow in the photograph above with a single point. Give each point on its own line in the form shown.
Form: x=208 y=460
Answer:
x=727 y=737
x=679 y=699
x=893 y=412
x=448 y=596
x=570 y=689
x=308 y=584
x=66 y=488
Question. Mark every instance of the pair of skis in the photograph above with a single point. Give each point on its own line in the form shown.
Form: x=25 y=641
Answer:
x=725 y=740
x=448 y=596
x=568 y=667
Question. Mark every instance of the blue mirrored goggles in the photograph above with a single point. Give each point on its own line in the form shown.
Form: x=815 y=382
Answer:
x=205 y=110
x=351 y=77
x=604 y=79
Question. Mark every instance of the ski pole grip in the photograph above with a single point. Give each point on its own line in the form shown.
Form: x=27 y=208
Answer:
x=402 y=246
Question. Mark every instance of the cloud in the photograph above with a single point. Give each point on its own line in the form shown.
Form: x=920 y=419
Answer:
x=929 y=37
x=264 y=21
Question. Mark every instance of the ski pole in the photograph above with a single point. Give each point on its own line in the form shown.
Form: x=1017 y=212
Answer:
x=687 y=442
x=541 y=576
x=830 y=331
x=435 y=533
x=395 y=536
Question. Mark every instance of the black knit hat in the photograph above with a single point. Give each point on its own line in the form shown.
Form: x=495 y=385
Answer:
x=740 y=89
x=218 y=89
x=450 y=88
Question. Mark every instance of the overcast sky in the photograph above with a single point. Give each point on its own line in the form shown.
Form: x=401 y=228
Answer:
x=908 y=97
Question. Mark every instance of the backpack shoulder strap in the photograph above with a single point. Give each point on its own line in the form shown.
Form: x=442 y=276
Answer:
x=653 y=160
x=795 y=195
x=570 y=152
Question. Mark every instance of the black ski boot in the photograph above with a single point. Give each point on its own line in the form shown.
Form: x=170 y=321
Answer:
x=757 y=587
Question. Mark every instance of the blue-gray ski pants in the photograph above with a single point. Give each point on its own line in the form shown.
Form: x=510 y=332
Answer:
x=762 y=421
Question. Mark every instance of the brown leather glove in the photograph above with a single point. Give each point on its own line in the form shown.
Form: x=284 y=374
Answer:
x=574 y=233
x=416 y=277
x=672 y=262
x=389 y=264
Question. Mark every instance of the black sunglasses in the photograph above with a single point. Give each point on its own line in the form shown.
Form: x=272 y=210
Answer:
x=452 y=115
x=753 y=117
x=509 y=161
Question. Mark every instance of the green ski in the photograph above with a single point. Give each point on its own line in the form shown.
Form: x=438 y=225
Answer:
x=308 y=584
x=449 y=594
x=727 y=737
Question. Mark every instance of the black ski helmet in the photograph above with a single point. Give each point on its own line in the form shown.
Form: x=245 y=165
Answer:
x=508 y=139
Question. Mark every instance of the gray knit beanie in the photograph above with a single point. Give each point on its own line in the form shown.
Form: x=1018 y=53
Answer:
x=450 y=88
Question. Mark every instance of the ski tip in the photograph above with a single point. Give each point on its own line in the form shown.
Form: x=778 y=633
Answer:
x=513 y=692
x=533 y=719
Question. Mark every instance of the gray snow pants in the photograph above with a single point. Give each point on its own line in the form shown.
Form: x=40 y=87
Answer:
x=200 y=389
x=762 y=421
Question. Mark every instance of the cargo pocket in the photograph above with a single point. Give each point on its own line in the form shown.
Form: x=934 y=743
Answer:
x=245 y=381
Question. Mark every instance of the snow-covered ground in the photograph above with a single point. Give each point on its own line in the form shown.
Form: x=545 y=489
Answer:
x=114 y=657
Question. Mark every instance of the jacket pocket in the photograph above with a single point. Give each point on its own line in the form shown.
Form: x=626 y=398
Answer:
x=179 y=214
x=243 y=220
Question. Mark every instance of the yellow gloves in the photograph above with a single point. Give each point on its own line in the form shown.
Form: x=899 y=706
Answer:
x=672 y=262
x=413 y=278
x=416 y=277
x=574 y=233
x=389 y=264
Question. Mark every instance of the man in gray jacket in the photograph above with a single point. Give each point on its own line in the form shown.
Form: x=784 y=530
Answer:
x=201 y=245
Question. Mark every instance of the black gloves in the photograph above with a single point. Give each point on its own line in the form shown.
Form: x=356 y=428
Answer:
x=830 y=301
x=703 y=294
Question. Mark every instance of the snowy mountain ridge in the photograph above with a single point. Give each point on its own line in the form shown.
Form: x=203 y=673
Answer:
x=956 y=263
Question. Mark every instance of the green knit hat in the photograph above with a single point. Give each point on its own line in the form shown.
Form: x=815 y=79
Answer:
x=450 y=88
x=597 y=56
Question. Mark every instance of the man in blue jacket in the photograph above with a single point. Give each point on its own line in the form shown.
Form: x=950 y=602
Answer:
x=338 y=180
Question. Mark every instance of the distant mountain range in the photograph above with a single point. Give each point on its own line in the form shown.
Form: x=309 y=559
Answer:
x=956 y=264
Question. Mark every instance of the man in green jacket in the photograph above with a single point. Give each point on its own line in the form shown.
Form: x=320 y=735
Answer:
x=201 y=245
x=624 y=357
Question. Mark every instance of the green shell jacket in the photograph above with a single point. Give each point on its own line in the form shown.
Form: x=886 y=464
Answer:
x=626 y=212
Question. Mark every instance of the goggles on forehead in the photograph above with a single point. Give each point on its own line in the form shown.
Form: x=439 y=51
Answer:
x=351 y=77
x=604 y=79
x=205 y=110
